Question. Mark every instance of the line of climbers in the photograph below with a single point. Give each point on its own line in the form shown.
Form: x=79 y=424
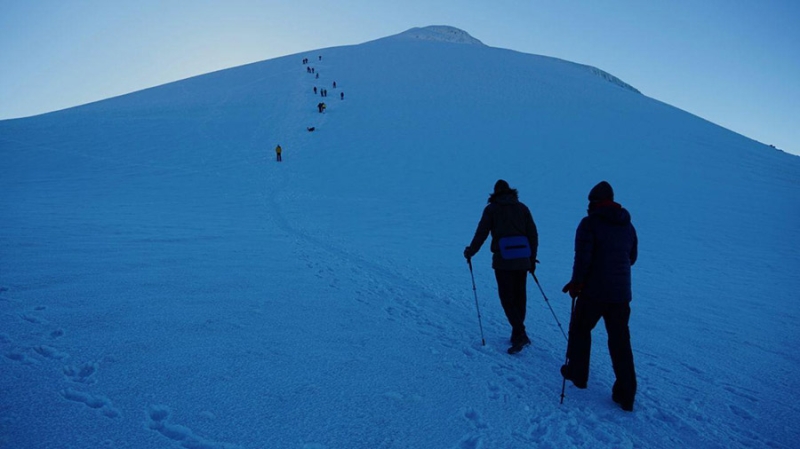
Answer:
x=321 y=106
x=606 y=246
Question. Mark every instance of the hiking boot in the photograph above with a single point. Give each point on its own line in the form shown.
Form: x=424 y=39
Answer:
x=517 y=336
x=519 y=345
x=624 y=403
x=567 y=374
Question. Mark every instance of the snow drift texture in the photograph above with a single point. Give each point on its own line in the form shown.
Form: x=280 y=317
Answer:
x=165 y=283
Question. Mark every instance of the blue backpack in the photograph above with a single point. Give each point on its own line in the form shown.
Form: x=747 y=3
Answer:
x=514 y=247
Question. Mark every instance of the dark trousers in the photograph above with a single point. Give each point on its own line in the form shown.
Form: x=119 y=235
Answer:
x=279 y=157
x=615 y=316
x=511 y=287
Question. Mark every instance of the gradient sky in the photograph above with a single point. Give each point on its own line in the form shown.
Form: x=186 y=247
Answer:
x=733 y=62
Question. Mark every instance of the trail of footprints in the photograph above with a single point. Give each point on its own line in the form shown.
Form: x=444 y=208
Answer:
x=76 y=375
x=80 y=376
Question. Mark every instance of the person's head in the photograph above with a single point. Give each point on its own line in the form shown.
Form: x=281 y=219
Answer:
x=501 y=189
x=601 y=192
x=501 y=186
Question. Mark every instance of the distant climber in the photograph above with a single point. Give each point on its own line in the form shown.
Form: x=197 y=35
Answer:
x=317 y=77
x=278 y=151
x=315 y=90
x=341 y=96
x=311 y=129
x=334 y=84
x=321 y=107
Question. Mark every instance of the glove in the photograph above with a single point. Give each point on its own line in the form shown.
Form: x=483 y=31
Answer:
x=468 y=253
x=573 y=288
x=532 y=269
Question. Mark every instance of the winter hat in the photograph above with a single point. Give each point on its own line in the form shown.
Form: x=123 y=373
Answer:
x=501 y=186
x=601 y=192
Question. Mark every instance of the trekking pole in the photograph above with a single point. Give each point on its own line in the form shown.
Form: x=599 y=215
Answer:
x=551 y=307
x=566 y=358
x=475 y=291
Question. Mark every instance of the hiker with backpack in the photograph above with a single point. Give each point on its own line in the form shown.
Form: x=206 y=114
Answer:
x=606 y=246
x=278 y=151
x=514 y=244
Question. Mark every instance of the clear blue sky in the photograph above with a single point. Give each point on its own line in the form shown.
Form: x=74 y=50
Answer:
x=735 y=63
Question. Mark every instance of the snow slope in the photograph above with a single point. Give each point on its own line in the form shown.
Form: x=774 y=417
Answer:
x=165 y=283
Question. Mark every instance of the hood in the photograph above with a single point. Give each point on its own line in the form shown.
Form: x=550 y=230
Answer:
x=611 y=212
x=504 y=197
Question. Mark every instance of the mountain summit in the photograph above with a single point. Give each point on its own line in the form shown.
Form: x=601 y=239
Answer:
x=453 y=35
x=438 y=33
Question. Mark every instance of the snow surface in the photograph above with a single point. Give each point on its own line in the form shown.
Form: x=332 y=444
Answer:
x=164 y=283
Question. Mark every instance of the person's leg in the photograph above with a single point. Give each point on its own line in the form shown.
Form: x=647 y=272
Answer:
x=616 y=320
x=507 y=289
x=521 y=303
x=584 y=319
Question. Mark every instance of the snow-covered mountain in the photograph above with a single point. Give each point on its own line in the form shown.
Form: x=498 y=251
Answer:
x=165 y=283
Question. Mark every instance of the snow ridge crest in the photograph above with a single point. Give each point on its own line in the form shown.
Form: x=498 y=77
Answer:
x=611 y=78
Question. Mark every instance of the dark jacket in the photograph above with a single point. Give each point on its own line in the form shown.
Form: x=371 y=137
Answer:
x=506 y=216
x=606 y=247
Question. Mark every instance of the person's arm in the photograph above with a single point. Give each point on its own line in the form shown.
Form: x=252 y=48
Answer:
x=584 y=246
x=533 y=240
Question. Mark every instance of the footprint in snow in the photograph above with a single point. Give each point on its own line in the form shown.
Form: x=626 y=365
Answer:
x=84 y=374
x=50 y=352
x=157 y=420
x=32 y=318
x=494 y=391
x=475 y=419
x=470 y=442
x=19 y=356
x=101 y=403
